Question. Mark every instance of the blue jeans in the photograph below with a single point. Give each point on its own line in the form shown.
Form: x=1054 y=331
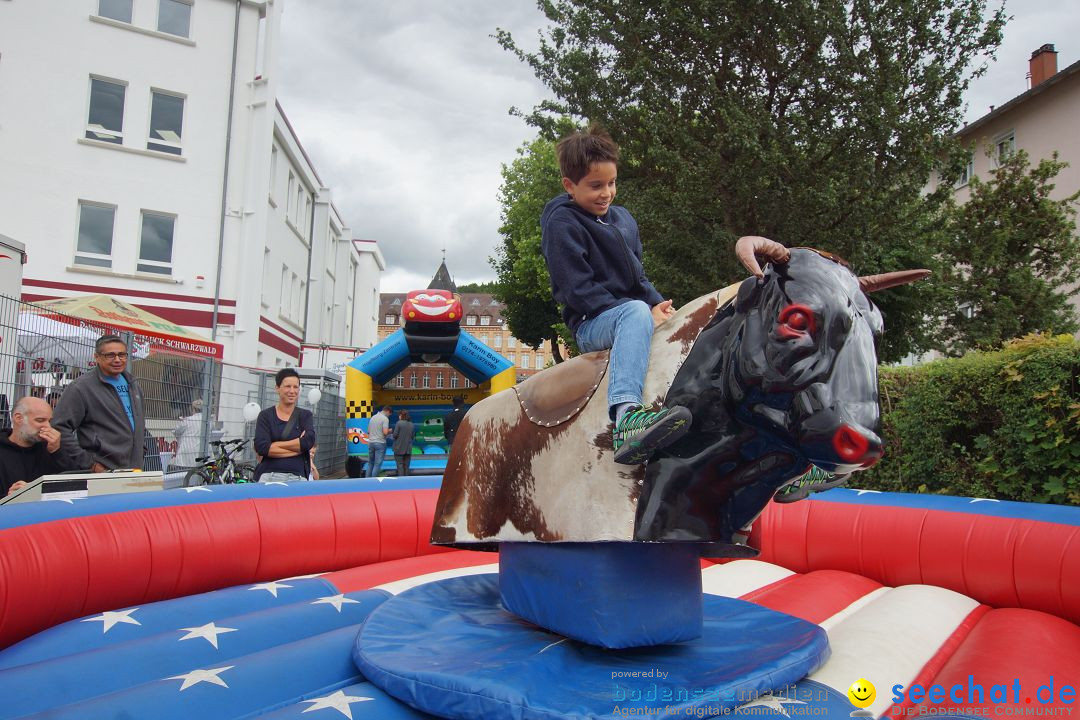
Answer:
x=376 y=453
x=627 y=329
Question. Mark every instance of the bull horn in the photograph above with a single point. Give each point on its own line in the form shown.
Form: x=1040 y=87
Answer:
x=873 y=283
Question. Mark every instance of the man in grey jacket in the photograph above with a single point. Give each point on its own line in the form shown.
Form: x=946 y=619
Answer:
x=100 y=415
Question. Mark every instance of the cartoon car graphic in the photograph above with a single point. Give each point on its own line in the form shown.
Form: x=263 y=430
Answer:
x=431 y=306
x=430 y=431
x=356 y=436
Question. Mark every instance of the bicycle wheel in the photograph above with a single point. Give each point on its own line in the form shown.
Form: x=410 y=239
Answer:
x=244 y=472
x=197 y=476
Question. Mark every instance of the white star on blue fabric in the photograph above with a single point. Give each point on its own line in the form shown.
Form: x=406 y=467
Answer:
x=975 y=500
x=336 y=600
x=197 y=488
x=275 y=482
x=208 y=632
x=864 y=492
x=197 y=676
x=773 y=703
x=336 y=701
x=270 y=587
x=112 y=617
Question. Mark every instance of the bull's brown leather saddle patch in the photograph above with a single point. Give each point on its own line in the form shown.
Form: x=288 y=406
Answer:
x=554 y=396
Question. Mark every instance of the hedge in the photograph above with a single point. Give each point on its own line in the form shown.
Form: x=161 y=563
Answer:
x=1002 y=424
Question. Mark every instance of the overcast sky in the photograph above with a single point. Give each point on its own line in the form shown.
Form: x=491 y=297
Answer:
x=403 y=108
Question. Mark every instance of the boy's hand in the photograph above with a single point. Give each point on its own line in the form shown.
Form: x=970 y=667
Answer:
x=661 y=312
x=750 y=245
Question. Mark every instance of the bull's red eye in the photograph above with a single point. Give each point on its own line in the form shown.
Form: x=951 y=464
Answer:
x=795 y=321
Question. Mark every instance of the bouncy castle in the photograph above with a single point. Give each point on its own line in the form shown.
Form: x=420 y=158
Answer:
x=431 y=334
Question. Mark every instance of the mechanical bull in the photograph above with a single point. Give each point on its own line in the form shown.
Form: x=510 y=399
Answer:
x=778 y=373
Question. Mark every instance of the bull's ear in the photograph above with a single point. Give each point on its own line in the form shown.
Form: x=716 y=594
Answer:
x=873 y=283
x=749 y=291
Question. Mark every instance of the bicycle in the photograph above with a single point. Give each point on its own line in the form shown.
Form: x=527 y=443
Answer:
x=221 y=468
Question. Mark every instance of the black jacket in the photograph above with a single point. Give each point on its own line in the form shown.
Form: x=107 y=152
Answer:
x=19 y=463
x=594 y=262
x=451 y=421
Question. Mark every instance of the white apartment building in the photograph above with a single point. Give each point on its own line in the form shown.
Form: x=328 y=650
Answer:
x=145 y=156
x=1041 y=121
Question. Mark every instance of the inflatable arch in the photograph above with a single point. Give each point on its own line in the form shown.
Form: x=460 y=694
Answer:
x=431 y=334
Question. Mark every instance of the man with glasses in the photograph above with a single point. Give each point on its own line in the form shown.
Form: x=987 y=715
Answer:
x=100 y=415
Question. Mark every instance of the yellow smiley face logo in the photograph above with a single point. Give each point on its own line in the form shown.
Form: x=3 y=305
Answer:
x=861 y=693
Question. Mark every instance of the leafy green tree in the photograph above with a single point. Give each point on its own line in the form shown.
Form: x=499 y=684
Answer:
x=529 y=182
x=1013 y=255
x=814 y=122
x=478 y=287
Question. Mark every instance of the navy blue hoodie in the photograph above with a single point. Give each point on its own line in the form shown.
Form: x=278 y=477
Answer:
x=594 y=262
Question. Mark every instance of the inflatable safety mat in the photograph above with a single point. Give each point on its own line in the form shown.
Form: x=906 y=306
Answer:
x=450 y=649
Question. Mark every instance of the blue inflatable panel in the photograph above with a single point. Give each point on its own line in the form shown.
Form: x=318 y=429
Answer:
x=163 y=616
x=449 y=648
x=615 y=594
x=154 y=655
x=360 y=701
x=231 y=688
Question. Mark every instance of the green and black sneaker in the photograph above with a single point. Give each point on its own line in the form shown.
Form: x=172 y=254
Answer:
x=642 y=432
x=814 y=480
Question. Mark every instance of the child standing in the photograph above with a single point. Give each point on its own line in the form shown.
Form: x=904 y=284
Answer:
x=593 y=254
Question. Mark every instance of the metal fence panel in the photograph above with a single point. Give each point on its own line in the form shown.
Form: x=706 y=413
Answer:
x=189 y=400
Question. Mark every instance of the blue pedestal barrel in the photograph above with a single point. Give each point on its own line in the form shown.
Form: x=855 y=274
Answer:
x=615 y=595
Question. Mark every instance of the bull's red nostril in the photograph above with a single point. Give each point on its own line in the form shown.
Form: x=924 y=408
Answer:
x=850 y=444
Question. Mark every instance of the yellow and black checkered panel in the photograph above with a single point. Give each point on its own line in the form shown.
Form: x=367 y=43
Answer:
x=356 y=409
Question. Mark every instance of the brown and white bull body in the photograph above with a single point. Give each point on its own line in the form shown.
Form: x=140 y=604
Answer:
x=535 y=463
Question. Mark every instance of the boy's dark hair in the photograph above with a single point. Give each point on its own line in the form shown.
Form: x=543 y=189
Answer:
x=579 y=150
x=285 y=373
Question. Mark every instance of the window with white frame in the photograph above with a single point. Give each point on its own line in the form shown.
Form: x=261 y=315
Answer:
x=94 y=245
x=511 y=357
x=166 y=122
x=439 y=380
x=485 y=319
x=105 y=118
x=1004 y=147
x=297 y=298
x=454 y=380
x=470 y=320
x=284 y=291
x=498 y=340
x=427 y=381
x=174 y=17
x=115 y=9
x=412 y=381
x=524 y=361
x=484 y=338
x=273 y=170
x=390 y=320
x=289 y=197
x=267 y=279
x=156 y=243
x=968 y=171
x=511 y=341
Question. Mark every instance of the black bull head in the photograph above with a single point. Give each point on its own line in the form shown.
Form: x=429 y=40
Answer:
x=783 y=377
